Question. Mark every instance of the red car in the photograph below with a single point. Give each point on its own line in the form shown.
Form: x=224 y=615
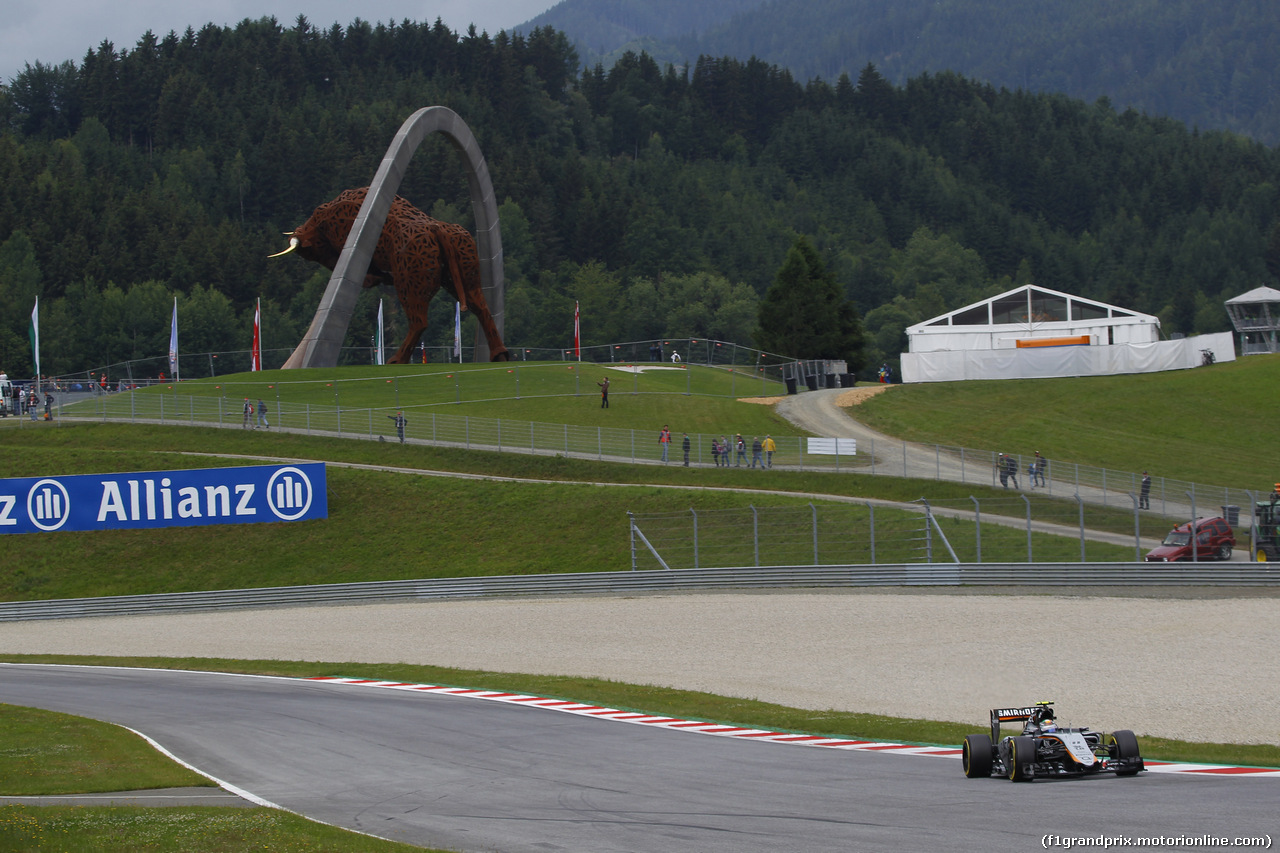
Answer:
x=1214 y=541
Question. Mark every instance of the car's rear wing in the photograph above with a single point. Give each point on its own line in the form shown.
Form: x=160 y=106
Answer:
x=1018 y=715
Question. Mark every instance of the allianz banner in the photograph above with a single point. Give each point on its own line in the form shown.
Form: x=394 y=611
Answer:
x=152 y=499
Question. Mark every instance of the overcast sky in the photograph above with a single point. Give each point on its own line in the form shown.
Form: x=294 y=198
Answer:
x=52 y=31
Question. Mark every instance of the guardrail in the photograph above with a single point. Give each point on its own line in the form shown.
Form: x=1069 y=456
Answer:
x=680 y=580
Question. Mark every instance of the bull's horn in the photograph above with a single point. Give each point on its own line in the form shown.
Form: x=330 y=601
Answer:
x=293 y=244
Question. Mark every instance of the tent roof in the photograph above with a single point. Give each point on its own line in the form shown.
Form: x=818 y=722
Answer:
x=1258 y=294
x=1034 y=298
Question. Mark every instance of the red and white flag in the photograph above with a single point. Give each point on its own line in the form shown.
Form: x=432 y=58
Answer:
x=256 y=353
x=577 y=333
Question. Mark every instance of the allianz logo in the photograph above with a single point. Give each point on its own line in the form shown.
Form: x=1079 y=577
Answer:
x=288 y=496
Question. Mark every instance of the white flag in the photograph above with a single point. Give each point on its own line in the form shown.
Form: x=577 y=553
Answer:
x=35 y=338
x=173 y=342
x=457 y=331
x=377 y=358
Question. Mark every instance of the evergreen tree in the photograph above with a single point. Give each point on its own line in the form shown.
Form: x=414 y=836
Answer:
x=805 y=313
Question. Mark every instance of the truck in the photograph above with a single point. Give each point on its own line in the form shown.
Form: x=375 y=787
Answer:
x=6 y=396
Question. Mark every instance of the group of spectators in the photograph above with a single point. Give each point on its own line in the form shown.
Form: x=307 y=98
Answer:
x=723 y=450
x=1007 y=469
x=28 y=401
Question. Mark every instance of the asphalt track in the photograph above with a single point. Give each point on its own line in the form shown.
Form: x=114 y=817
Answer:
x=466 y=774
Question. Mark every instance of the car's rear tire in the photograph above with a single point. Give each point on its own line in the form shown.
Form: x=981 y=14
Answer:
x=1124 y=744
x=1022 y=751
x=1224 y=553
x=1261 y=556
x=977 y=756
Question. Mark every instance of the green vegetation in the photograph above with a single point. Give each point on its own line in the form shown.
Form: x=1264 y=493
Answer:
x=695 y=398
x=1209 y=425
x=44 y=752
x=438 y=527
x=663 y=201
x=127 y=829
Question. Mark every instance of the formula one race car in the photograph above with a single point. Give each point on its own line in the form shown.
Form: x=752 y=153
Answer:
x=1044 y=749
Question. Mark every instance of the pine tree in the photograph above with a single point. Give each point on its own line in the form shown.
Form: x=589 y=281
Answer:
x=806 y=315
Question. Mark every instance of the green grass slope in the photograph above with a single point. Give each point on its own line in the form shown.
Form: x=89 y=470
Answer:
x=1210 y=425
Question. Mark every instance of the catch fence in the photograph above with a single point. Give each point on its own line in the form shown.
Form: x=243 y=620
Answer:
x=872 y=533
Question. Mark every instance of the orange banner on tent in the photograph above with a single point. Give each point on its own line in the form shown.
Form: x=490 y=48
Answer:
x=1073 y=341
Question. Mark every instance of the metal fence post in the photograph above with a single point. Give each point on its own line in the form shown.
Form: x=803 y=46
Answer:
x=755 y=531
x=1080 y=509
x=631 y=529
x=695 y=536
x=977 y=528
x=1137 y=530
x=872 y=519
x=1027 y=501
x=1195 y=550
x=815 y=533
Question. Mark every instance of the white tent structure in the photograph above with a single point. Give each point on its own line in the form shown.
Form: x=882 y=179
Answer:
x=1034 y=332
x=1256 y=316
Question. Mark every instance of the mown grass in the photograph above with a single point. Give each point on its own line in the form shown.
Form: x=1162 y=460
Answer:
x=1208 y=425
x=44 y=752
x=391 y=526
x=693 y=399
x=129 y=829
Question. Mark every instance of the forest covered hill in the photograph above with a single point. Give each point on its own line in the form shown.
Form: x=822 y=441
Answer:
x=1211 y=65
x=662 y=200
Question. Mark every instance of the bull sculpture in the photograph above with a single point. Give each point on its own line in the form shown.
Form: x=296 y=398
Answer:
x=415 y=253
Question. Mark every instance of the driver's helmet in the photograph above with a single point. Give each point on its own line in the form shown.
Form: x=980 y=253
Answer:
x=1048 y=726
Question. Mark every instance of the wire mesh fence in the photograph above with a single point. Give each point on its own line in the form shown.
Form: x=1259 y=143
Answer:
x=867 y=534
x=1093 y=486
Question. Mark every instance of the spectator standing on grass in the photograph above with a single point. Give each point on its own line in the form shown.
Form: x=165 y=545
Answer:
x=685 y=446
x=1011 y=465
x=247 y=409
x=48 y=406
x=604 y=392
x=715 y=451
x=664 y=441
x=262 y=415
x=756 y=449
x=400 y=420
x=1144 y=498
x=741 y=447
x=769 y=447
x=1002 y=468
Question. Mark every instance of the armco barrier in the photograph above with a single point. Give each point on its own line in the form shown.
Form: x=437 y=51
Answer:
x=778 y=577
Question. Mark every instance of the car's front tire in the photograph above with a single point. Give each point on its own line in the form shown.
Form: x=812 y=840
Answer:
x=977 y=756
x=1124 y=745
x=1022 y=751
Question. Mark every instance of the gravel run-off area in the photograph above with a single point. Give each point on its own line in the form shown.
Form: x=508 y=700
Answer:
x=1195 y=665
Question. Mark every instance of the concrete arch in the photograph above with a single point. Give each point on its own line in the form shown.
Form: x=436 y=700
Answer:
x=321 y=344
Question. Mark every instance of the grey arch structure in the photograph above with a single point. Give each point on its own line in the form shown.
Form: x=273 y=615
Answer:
x=323 y=340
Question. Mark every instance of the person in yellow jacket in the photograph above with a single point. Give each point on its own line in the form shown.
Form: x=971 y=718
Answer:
x=769 y=447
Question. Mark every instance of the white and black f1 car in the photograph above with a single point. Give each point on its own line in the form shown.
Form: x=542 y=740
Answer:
x=1044 y=749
